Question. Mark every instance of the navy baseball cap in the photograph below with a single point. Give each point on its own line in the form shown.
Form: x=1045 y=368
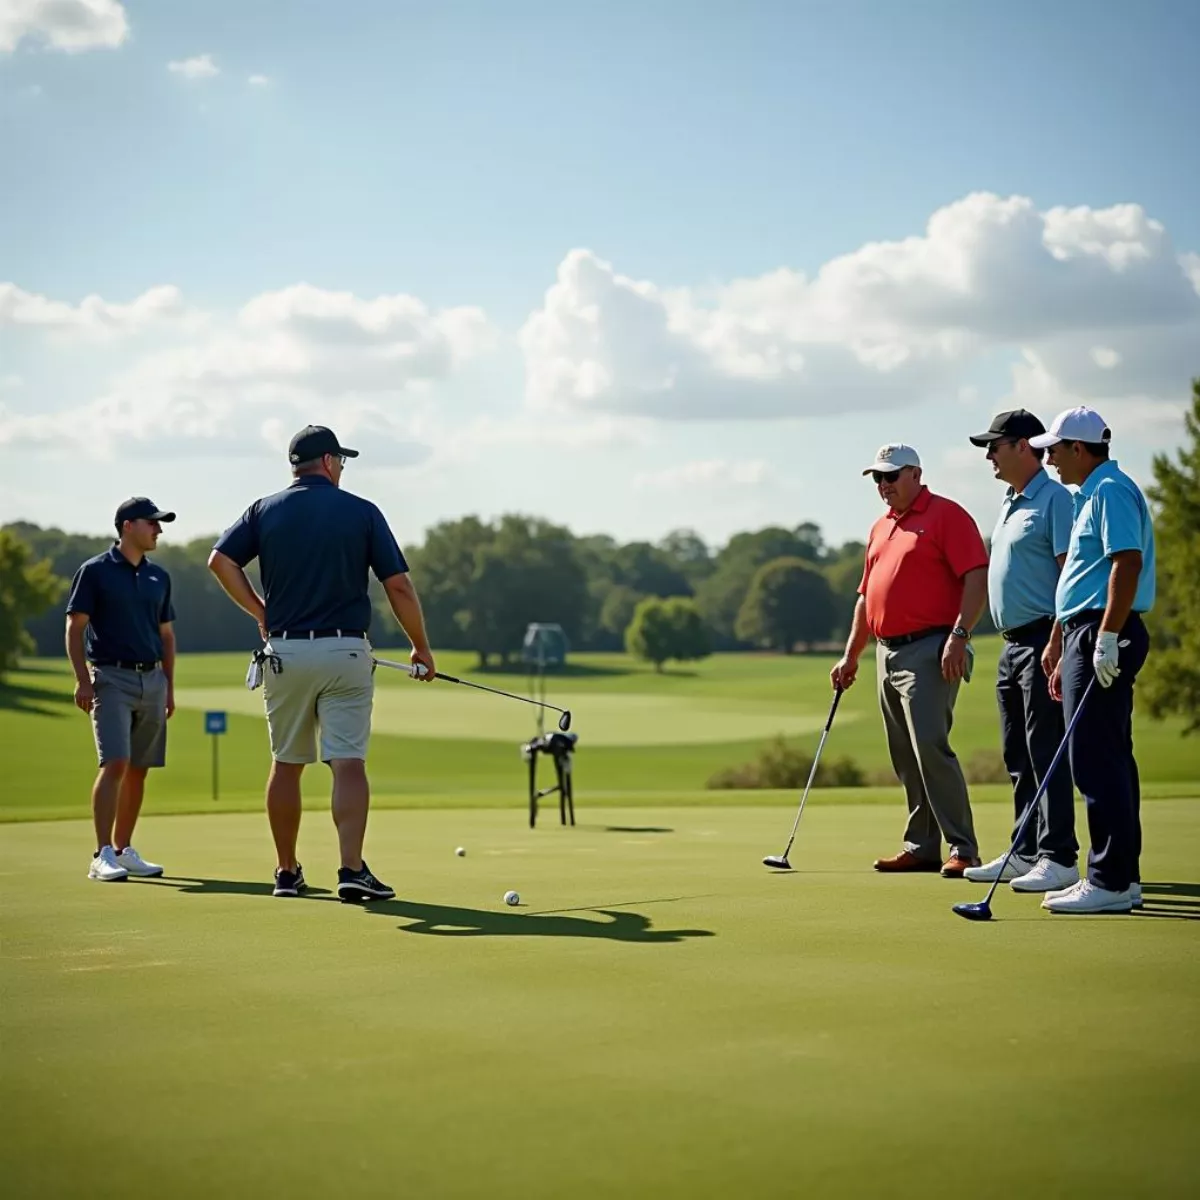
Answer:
x=1016 y=423
x=314 y=441
x=140 y=508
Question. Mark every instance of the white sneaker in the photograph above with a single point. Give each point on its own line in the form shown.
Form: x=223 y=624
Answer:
x=1135 y=894
x=1047 y=876
x=105 y=867
x=1086 y=897
x=135 y=864
x=988 y=873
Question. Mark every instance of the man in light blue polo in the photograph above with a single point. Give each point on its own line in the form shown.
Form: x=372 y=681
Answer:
x=1107 y=583
x=1029 y=545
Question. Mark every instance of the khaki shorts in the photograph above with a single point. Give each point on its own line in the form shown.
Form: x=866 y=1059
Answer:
x=129 y=716
x=326 y=684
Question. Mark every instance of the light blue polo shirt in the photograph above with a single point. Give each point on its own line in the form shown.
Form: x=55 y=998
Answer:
x=1034 y=527
x=1111 y=515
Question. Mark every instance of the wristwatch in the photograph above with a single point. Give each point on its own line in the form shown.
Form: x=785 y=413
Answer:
x=959 y=632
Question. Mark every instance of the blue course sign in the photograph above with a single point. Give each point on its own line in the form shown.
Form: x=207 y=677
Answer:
x=214 y=722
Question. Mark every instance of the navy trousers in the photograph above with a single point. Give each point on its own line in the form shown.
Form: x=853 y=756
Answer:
x=1031 y=728
x=1101 y=749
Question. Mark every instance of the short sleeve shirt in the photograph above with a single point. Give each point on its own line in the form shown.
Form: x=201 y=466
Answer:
x=126 y=607
x=915 y=563
x=1111 y=515
x=1033 y=529
x=316 y=545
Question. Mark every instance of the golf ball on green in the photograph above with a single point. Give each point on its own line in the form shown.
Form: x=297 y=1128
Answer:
x=460 y=851
x=511 y=898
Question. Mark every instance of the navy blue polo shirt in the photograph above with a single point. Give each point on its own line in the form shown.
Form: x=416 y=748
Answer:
x=315 y=544
x=125 y=605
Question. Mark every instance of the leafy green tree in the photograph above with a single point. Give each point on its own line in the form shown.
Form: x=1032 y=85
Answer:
x=27 y=588
x=689 y=554
x=1170 y=682
x=617 y=611
x=665 y=630
x=789 y=601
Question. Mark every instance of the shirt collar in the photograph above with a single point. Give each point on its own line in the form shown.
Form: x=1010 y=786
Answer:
x=114 y=555
x=311 y=481
x=1106 y=470
x=1032 y=488
x=919 y=505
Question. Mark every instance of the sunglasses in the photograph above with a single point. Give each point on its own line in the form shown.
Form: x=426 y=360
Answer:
x=885 y=476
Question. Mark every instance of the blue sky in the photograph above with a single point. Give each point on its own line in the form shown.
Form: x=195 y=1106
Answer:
x=458 y=153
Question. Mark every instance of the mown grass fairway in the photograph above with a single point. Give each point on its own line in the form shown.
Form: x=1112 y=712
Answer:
x=660 y=1017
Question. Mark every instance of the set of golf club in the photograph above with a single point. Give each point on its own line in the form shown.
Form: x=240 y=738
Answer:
x=980 y=910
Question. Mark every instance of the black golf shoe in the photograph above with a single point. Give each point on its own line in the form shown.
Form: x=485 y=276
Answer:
x=356 y=886
x=289 y=883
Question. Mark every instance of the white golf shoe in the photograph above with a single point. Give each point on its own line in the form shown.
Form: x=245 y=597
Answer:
x=105 y=867
x=135 y=864
x=990 y=871
x=1135 y=894
x=1085 y=897
x=1046 y=876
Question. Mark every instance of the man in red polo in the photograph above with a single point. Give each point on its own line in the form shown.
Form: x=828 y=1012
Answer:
x=924 y=585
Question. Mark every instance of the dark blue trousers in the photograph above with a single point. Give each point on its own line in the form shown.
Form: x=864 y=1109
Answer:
x=1101 y=749
x=1031 y=728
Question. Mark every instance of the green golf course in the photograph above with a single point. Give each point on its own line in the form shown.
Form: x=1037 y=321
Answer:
x=659 y=1016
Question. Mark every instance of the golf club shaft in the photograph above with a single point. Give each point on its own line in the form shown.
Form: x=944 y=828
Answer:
x=1037 y=796
x=408 y=669
x=812 y=774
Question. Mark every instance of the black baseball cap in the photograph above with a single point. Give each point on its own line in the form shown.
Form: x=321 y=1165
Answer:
x=1016 y=423
x=140 y=508
x=313 y=441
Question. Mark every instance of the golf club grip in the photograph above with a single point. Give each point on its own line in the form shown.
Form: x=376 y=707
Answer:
x=837 y=699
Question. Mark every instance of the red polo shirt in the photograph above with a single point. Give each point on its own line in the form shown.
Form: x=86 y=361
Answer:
x=915 y=563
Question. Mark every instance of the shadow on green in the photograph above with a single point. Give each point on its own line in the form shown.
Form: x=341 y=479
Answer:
x=42 y=702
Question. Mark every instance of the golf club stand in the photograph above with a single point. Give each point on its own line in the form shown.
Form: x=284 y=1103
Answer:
x=545 y=645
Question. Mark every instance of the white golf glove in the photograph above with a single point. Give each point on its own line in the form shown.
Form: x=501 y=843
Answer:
x=1104 y=658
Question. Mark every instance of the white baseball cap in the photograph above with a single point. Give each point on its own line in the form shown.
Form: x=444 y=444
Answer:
x=1080 y=424
x=892 y=457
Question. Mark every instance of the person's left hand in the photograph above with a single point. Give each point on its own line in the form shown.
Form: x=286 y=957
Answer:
x=954 y=658
x=170 y=700
x=1104 y=658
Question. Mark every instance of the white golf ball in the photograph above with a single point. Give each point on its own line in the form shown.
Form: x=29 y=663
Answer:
x=460 y=851
x=511 y=898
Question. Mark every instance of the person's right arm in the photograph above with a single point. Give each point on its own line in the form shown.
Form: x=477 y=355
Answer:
x=85 y=692
x=845 y=670
x=237 y=546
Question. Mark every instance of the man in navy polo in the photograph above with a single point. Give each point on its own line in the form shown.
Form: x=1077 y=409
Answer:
x=121 y=643
x=1029 y=545
x=315 y=544
x=1107 y=583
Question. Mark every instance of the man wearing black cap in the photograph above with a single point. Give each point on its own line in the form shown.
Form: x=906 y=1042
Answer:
x=1029 y=545
x=121 y=644
x=315 y=545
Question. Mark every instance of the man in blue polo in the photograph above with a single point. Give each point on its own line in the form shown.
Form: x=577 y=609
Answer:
x=121 y=643
x=315 y=544
x=1029 y=544
x=1107 y=583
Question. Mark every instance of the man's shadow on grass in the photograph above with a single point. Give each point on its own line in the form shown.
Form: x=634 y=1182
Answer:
x=447 y=921
x=1171 y=901
x=191 y=886
x=38 y=701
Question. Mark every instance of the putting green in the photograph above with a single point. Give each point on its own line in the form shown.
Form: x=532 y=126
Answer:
x=601 y=719
x=661 y=1017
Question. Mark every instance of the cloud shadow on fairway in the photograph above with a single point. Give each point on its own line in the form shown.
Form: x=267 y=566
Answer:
x=445 y=921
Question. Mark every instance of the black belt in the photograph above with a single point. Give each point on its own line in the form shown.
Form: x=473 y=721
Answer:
x=1021 y=632
x=125 y=665
x=1093 y=616
x=903 y=639
x=310 y=634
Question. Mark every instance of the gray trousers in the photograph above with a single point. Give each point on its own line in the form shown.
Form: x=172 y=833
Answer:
x=918 y=711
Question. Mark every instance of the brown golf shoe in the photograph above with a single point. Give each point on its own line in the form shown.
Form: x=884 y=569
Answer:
x=954 y=866
x=906 y=860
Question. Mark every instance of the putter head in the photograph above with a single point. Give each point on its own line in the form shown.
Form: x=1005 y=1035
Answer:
x=777 y=862
x=564 y=722
x=980 y=910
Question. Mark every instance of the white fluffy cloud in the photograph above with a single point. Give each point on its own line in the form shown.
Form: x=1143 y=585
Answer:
x=93 y=316
x=891 y=324
x=199 y=66
x=68 y=25
x=287 y=358
x=705 y=473
x=258 y=80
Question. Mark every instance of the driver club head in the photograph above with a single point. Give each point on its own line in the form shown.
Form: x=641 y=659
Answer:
x=981 y=910
x=777 y=861
x=564 y=722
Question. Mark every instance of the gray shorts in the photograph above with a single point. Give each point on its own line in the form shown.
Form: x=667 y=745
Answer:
x=327 y=684
x=129 y=717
